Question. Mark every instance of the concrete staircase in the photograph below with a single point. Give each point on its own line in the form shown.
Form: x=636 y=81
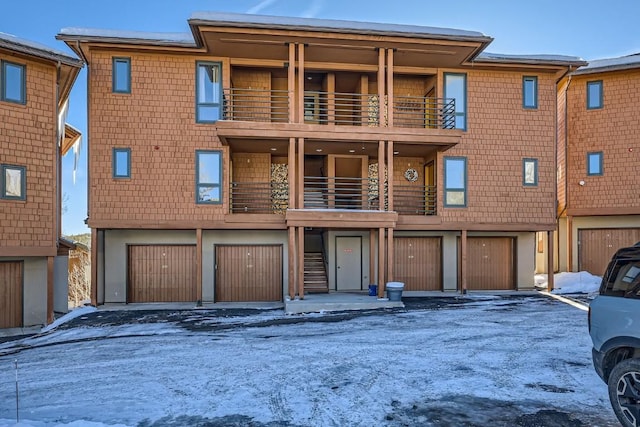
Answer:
x=315 y=274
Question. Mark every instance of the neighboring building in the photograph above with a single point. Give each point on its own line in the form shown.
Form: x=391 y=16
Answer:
x=261 y=157
x=598 y=163
x=35 y=82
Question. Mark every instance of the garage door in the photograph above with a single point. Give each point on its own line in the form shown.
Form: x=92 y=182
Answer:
x=10 y=294
x=490 y=263
x=248 y=273
x=162 y=273
x=418 y=263
x=597 y=246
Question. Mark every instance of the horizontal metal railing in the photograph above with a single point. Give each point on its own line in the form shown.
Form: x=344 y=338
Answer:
x=259 y=197
x=424 y=112
x=351 y=109
x=256 y=105
x=414 y=199
x=340 y=193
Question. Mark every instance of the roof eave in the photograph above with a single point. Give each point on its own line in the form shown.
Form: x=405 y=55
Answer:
x=542 y=62
x=606 y=69
x=42 y=54
x=67 y=38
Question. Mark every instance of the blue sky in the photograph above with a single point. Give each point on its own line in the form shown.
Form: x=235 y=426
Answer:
x=589 y=29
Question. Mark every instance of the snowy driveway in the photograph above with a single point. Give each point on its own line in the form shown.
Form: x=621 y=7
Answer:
x=488 y=361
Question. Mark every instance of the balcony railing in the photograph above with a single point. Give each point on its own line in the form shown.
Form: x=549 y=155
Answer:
x=424 y=112
x=414 y=199
x=330 y=193
x=256 y=105
x=347 y=109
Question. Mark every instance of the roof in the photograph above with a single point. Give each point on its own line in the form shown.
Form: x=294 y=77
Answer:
x=530 y=59
x=28 y=47
x=611 y=64
x=160 y=39
x=243 y=20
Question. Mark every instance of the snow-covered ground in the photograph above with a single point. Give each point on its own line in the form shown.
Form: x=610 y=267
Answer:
x=582 y=282
x=493 y=361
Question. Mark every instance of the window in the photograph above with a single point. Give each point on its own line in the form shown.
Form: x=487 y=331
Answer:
x=121 y=163
x=208 y=176
x=530 y=92
x=530 y=172
x=208 y=92
x=455 y=87
x=455 y=182
x=121 y=75
x=13 y=84
x=622 y=279
x=594 y=95
x=594 y=163
x=14 y=182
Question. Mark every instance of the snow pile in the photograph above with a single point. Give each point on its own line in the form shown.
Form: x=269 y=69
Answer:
x=80 y=311
x=29 y=423
x=582 y=282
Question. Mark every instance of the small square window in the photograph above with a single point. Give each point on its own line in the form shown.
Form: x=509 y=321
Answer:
x=13 y=82
x=121 y=163
x=121 y=75
x=14 y=182
x=530 y=92
x=208 y=177
x=594 y=95
x=595 y=163
x=455 y=182
x=530 y=172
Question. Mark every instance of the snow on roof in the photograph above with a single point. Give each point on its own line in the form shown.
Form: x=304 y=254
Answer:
x=529 y=59
x=314 y=24
x=611 y=64
x=158 y=38
x=9 y=41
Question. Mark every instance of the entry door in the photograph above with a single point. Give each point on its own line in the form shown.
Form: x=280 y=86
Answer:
x=348 y=263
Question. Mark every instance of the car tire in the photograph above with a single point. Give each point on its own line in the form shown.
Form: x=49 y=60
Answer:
x=624 y=392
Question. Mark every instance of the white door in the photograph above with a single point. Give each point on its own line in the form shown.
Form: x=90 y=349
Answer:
x=348 y=263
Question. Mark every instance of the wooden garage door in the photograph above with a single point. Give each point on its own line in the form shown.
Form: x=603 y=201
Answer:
x=597 y=246
x=248 y=273
x=162 y=273
x=490 y=263
x=418 y=263
x=10 y=294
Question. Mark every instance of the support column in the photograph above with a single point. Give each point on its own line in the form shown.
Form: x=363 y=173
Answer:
x=550 y=269
x=463 y=262
x=390 y=87
x=390 y=255
x=300 y=263
x=381 y=262
x=300 y=109
x=292 y=262
x=372 y=256
x=570 y=244
x=390 y=174
x=331 y=98
x=381 y=100
x=300 y=180
x=381 y=169
x=199 y=265
x=50 y=284
x=291 y=83
x=291 y=173
x=94 y=267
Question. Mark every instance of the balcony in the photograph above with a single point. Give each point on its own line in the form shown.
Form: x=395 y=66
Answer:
x=256 y=105
x=424 y=112
x=414 y=199
x=340 y=193
x=259 y=197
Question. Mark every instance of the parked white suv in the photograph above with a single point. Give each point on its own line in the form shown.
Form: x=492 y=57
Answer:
x=614 y=325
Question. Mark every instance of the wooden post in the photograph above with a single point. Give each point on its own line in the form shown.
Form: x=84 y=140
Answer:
x=390 y=175
x=364 y=100
x=381 y=100
x=300 y=186
x=50 y=284
x=463 y=262
x=390 y=255
x=199 y=264
x=300 y=264
x=570 y=244
x=291 y=173
x=331 y=98
x=300 y=83
x=381 y=169
x=292 y=262
x=390 y=87
x=550 y=269
x=381 y=262
x=372 y=256
x=291 y=83
x=94 y=266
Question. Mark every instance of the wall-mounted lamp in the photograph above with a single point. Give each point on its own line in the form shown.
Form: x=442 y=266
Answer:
x=581 y=183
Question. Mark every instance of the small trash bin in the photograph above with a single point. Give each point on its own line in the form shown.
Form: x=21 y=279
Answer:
x=373 y=290
x=394 y=291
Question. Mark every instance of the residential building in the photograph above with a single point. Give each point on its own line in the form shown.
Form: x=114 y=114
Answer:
x=260 y=158
x=598 y=158
x=35 y=82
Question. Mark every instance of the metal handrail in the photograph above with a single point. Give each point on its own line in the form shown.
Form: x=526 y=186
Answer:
x=259 y=197
x=339 y=193
x=341 y=108
x=414 y=199
x=424 y=112
x=256 y=105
